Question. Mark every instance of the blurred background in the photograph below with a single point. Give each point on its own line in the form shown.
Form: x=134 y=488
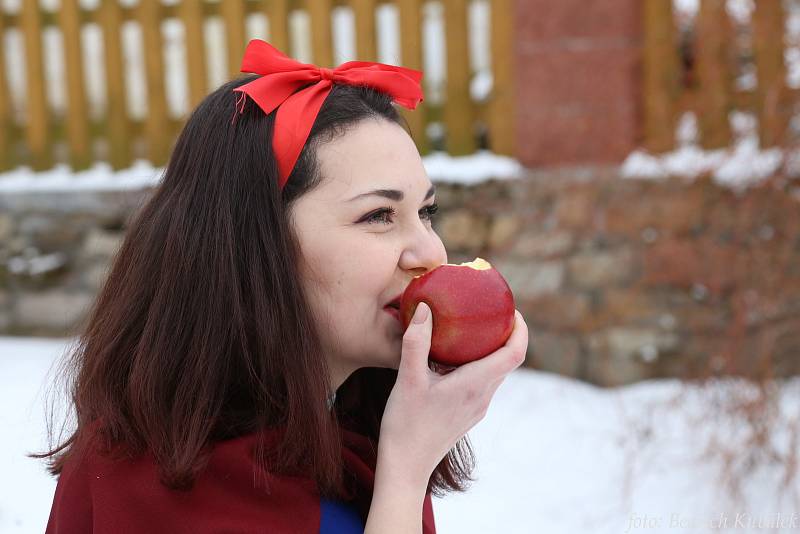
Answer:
x=632 y=167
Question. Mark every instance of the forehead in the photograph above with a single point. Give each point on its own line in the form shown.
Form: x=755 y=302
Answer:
x=372 y=154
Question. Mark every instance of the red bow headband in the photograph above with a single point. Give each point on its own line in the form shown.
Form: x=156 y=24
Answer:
x=282 y=76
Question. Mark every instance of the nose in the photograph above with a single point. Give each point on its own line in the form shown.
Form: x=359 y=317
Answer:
x=424 y=252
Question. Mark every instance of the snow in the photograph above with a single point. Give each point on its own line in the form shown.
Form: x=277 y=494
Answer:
x=474 y=168
x=99 y=177
x=740 y=10
x=36 y=265
x=440 y=166
x=554 y=455
x=738 y=167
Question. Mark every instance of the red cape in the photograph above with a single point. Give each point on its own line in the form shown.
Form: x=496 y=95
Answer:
x=100 y=495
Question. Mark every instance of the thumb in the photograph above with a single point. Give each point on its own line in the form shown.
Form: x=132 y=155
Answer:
x=417 y=342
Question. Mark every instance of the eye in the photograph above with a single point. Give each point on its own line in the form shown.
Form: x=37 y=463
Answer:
x=385 y=214
x=380 y=216
x=429 y=211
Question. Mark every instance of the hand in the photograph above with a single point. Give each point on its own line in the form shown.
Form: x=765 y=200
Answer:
x=427 y=413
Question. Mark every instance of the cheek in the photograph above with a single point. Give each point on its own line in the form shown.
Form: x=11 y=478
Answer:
x=348 y=270
x=361 y=281
x=338 y=284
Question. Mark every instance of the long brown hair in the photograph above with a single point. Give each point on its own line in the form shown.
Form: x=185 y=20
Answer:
x=201 y=331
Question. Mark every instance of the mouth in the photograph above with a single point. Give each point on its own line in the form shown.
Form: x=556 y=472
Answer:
x=393 y=307
x=395 y=302
x=393 y=312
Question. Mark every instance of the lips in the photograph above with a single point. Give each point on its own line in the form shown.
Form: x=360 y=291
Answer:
x=393 y=307
x=395 y=302
x=394 y=312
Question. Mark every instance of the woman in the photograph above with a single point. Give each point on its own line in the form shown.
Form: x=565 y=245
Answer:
x=240 y=371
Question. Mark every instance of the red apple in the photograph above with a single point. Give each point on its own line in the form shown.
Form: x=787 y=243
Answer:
x=472 y=307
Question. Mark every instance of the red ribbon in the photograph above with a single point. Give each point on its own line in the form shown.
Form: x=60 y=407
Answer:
x=281 y=78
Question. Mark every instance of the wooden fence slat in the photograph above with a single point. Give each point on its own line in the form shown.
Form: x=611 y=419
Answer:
x=77 y=118
x=156 y=124
x=713 y=62
x=233 y=14
x=109 y=17
x=501 y=120
x=321 y=39
x=661 y=76
x=768 y=47
x=364 y=14
x=191 y=14
x=410 y=12
x=458 y=107
x=37 y=134
x=277 y=12
x=7 y=156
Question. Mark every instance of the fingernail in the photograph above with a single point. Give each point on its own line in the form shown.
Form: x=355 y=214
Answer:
x=421 y=313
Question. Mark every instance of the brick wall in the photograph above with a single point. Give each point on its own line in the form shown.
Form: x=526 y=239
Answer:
x=577 y=80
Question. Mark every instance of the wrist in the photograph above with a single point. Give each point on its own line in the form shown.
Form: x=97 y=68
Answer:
x=398 y=499
x=398 y=469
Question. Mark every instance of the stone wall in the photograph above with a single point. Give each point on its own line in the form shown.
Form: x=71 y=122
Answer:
x=55 y=249
x=619 y=280
x=622 y=280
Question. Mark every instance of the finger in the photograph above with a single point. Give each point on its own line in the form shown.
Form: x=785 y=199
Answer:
x=497 y=365
x=417 y=342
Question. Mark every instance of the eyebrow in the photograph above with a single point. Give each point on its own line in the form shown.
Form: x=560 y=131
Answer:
x=392 y=194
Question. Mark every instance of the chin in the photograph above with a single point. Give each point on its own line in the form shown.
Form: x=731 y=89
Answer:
x=388 y=357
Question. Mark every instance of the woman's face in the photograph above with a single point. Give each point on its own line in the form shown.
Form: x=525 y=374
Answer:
x=364 y=234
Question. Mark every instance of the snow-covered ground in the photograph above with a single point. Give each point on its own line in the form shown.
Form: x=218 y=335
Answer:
x=554 y=456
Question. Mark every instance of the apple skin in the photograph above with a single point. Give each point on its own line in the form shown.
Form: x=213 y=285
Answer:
x=473 y=310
